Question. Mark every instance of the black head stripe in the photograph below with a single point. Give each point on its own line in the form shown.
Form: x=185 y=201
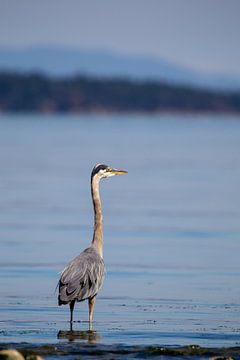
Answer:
x=97 y=168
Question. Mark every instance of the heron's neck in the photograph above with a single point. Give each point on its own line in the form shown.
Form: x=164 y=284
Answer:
x=97 y=241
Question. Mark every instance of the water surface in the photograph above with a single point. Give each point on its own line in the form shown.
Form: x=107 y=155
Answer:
x=171 y=227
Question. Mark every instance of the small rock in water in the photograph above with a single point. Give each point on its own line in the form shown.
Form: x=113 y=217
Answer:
x=11 y=354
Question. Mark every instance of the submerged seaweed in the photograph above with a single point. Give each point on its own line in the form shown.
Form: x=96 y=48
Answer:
x=86 y=351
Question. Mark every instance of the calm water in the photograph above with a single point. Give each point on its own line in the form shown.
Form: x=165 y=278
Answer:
x=171 y=227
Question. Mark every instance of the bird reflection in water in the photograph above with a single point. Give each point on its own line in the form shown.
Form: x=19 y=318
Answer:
x=90 y=336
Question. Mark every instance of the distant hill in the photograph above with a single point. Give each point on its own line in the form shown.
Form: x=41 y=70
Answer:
x=38 y=93
x=67 y=62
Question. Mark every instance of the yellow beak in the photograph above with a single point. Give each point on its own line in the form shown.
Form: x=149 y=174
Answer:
x=119 y=172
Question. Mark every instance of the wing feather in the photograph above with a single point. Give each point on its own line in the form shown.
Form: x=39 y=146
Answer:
x=82 y=278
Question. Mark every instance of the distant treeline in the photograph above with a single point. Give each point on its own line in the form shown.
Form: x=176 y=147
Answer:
x=34 y=92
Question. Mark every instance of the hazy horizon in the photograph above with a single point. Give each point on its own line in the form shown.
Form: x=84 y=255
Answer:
x=202 y=36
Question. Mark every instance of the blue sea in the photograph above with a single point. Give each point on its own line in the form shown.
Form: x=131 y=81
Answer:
x=171 y=227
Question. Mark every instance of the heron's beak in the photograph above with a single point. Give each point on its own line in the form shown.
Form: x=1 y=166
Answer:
x=119 y=172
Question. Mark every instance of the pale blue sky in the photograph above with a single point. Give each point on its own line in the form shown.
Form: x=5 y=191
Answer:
x=202 y=34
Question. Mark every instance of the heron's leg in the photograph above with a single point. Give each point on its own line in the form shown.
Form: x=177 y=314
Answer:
x=91 y=302
x=72 y=303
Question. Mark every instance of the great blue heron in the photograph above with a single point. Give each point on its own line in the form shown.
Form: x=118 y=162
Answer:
x=83 y=276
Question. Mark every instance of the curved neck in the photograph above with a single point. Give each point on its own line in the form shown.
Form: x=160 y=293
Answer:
x=97 y=241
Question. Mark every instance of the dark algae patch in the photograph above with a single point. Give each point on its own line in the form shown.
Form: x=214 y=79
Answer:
x=86 y=351
x=194 y=351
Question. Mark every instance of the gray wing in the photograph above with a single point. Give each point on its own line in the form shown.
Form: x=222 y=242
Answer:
x=82 y=278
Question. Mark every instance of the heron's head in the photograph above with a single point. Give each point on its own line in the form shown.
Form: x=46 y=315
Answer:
x=104 y=171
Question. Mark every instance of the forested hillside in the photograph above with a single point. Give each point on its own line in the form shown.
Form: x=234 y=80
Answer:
x=38 y=93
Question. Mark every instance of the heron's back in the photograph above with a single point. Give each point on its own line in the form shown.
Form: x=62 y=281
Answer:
x=82 y=278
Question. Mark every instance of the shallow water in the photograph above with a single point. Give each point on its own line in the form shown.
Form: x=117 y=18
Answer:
x=171 y=227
